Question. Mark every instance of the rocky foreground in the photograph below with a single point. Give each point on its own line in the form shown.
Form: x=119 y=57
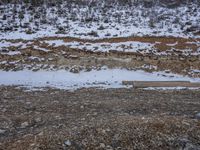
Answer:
x=99 y=119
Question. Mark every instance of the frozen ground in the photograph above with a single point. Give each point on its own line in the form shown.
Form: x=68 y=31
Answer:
x=108 y=78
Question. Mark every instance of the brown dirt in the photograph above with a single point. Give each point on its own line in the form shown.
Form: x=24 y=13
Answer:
x=99 y=119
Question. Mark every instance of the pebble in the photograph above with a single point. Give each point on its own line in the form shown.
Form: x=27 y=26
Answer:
x=73 y=56
x=197 y=116
x=41 y=133
x=68 y=143
x=24 y=124
x=75 y=69
x=95 y=114
x=4 y=110
x=102 y=145
x=109 y=147
x=88 y=69
x=2 y=131
x=38 y=119
x=82 y=119
x=28 y=103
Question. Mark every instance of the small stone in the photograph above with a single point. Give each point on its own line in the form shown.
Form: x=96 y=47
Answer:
x=197 y=116
x=50 y=59
x=109 y=147
x=24 y=125
x=28 y=103
x=75 y=69
x=108 y=130
x=38 y=119
x=41 y=133
x=131 y=113
x=68 y=143
x=103 y=131
x=35 y=69
x=102 y=145
x=88 y=69
x=73 y=57
x=4 y=110
x=82 y=119
x=2 y=131
x=95 y=113
x=32 y=144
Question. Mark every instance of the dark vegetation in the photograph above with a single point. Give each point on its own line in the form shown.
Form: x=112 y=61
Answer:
x=31 y=15
x=146 y=3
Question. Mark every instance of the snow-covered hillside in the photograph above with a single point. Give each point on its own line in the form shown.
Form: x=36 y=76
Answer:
x=98 y=21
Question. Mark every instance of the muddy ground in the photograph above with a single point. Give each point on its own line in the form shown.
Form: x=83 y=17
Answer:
x=99 y=119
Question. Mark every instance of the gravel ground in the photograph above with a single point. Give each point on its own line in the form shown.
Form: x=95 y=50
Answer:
x=99 y=119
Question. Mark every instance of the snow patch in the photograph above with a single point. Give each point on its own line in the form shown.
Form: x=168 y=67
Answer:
x=11 y=53
x=104 y=47
x=108 y=78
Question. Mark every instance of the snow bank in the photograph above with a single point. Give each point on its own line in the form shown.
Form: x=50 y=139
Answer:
x=108 y=78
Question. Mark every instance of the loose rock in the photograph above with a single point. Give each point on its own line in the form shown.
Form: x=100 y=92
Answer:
x=197 y=116
x=68 y=143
